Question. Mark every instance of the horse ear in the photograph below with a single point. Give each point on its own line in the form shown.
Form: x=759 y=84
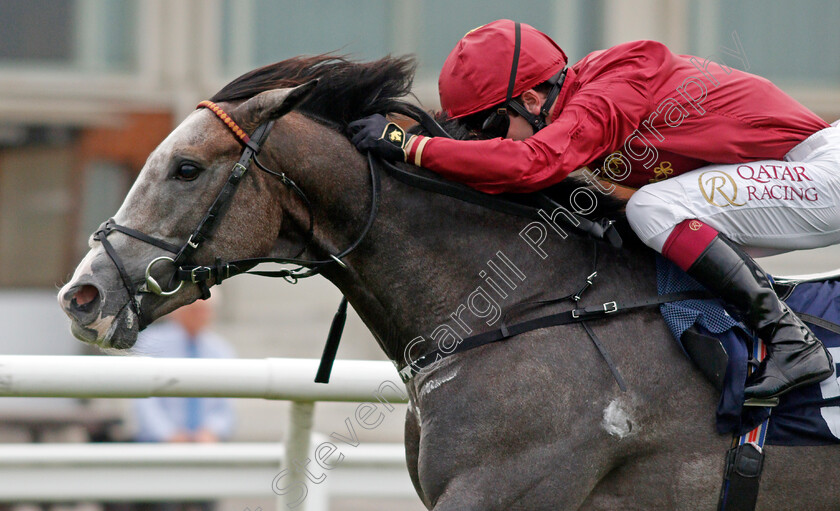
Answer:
x=273 y=104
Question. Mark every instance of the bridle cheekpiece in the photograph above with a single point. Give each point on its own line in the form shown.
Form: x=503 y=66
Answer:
x=186 y=270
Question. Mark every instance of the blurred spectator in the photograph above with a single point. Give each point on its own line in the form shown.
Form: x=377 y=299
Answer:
x=184 y=333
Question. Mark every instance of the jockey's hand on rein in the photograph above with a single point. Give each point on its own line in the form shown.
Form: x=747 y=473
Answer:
x=379 y=136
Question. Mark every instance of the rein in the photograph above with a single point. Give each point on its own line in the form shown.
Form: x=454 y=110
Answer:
x=187 y=271
x=600 y=230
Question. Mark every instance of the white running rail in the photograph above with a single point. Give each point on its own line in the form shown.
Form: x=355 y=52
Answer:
x=66 y=472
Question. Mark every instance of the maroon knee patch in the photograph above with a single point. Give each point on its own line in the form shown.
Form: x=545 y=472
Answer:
x=687 y=241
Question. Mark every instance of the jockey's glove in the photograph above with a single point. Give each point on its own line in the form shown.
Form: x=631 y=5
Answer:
x=379 y=136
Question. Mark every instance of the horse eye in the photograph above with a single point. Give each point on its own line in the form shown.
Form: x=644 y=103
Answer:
x=187 y=171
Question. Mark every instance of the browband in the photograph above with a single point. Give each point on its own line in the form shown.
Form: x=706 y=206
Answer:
x=237 y=131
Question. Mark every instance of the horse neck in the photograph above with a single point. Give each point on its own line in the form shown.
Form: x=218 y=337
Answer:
x=430 y=261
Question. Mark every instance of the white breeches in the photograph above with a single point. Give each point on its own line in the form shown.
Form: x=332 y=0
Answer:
x=767 y=207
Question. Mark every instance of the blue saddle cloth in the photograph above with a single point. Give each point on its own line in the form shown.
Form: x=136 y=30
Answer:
x=806 y=416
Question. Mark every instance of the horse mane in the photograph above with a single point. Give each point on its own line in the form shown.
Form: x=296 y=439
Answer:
x=347 y=90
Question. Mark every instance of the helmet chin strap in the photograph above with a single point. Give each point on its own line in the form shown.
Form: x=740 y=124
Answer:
x=538 y=121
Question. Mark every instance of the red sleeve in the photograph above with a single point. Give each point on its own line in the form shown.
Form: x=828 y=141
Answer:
x=595 y=121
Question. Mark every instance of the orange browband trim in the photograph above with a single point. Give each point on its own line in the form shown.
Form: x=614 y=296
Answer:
x=213 y=107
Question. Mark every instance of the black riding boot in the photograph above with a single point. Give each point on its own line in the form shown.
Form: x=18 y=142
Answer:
x=795 y=356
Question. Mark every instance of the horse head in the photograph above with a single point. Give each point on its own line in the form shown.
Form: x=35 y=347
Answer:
x=106 y=299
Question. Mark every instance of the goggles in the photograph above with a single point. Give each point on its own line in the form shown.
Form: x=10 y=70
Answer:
x=497 y=123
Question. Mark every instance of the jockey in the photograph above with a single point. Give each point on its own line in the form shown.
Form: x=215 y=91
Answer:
x=724 y=162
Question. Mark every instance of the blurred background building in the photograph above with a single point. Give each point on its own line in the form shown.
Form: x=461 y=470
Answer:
x=88 y=88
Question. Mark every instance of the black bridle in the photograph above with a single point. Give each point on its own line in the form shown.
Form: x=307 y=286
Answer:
x=187 y=271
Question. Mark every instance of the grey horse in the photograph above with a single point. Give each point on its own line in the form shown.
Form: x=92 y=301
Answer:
x=533 y=423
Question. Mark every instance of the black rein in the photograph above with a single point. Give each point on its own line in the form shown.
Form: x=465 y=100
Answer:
x=201 y=275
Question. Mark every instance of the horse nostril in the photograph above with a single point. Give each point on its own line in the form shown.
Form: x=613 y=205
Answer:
x=85 y=298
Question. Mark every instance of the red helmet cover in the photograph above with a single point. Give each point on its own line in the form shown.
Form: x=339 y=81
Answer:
x=476 y=73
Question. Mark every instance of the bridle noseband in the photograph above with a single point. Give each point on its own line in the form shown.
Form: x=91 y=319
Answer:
x=186 y=270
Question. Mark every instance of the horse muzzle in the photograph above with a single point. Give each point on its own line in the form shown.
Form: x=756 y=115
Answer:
x=99 y=313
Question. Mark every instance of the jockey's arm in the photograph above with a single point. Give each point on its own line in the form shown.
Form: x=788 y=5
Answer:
x=593 y=124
